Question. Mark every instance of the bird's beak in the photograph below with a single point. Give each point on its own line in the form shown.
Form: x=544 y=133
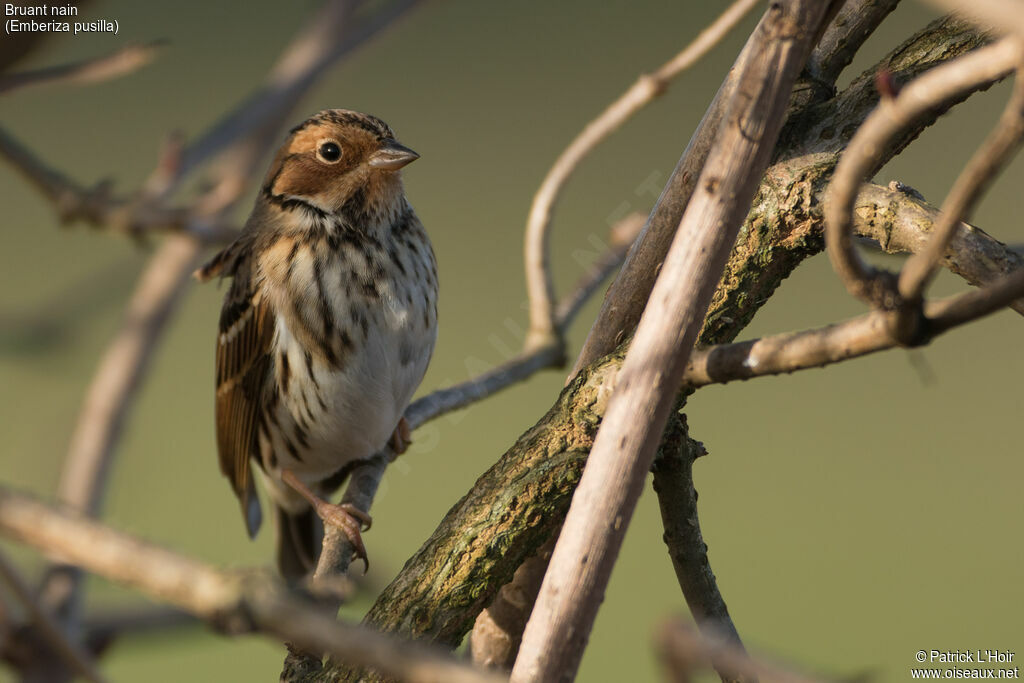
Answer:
x=392 y=156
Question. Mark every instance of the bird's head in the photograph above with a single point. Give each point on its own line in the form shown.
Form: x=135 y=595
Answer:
x=340 y=162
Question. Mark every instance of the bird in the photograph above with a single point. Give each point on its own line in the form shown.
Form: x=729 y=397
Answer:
x=326 y=330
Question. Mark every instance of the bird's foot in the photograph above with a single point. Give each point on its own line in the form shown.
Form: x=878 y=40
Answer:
x=401 y=437
x=351 y=521
x=345 y=517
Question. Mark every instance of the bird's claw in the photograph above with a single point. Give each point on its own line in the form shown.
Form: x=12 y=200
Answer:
x=351 y=521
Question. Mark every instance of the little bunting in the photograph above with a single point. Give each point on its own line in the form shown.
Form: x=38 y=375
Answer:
x=326 y=329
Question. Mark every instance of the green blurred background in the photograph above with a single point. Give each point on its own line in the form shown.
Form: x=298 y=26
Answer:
x=854 y=515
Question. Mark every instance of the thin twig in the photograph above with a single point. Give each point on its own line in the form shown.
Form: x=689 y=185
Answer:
x=234 y=602
x=870 y=333
x=76 y=659
x=946 y=82
x=977 y=175
x=114 y=65
x=539 y=285
x=638 y=409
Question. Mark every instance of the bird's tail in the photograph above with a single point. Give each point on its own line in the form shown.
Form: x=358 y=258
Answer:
x=299 y=539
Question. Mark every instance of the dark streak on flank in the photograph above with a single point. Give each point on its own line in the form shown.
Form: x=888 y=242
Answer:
x=282 y=363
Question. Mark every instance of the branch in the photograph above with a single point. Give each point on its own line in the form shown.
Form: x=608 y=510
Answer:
x=57 y=643
x=792 y=351
x=942 y=84
x=114 y=65
x=900 y=224
x=543 y=324
x=235 y=602
x=677 y=500
x=624 y=449
x=854 y=24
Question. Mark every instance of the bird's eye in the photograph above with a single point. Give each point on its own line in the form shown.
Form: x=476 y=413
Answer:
x=329 y=151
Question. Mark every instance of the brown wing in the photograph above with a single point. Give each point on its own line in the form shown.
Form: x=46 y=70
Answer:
x=243 y=366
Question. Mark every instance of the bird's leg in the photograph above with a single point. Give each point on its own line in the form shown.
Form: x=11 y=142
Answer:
x=401 y=437
x=346 y=517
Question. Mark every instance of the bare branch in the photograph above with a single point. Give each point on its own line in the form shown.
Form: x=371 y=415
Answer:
x=234 y=602
x=76 y=659
x=624 y=449
x=855 y=22
x=677 y=500
x=543 y=323
x=120 y=63
x=900 y=223
x=792 y=351
x=946 y=82
x=948 y=313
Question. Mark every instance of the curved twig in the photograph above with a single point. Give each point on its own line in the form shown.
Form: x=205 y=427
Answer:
x=543 y=324
x=946 y=82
